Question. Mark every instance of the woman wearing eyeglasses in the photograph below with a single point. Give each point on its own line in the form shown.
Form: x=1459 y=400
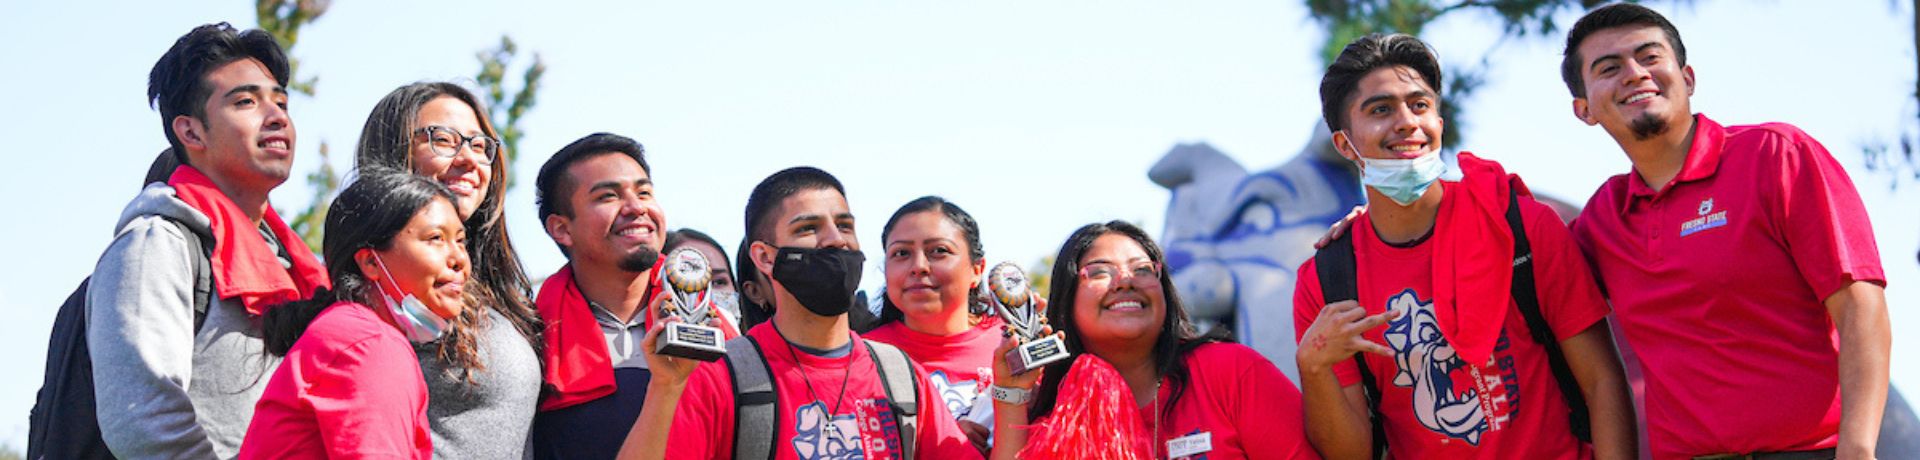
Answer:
x=1185 y=396
x=483 y=377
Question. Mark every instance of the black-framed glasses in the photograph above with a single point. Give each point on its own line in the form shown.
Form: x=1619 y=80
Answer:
x=1148 y=272
x=447 y=143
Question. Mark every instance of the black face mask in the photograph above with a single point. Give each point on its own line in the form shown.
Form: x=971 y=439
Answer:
x=822 y=279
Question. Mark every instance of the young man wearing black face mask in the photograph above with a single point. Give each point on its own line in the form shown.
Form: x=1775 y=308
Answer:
x=827 y=391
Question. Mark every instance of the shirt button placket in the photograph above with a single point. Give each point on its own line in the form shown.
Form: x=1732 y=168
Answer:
x=1655 y=226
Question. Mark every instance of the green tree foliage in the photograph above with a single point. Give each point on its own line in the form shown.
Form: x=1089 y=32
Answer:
x=1040 y=276
x=505 y=108
x=1897 y=158
x=1346 y=20
x=285 y=18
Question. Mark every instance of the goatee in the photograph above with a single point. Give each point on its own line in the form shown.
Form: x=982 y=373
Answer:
x=1647 y=126
x=640 y=261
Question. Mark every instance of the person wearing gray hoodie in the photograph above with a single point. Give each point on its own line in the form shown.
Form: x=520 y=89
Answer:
x=170 y=381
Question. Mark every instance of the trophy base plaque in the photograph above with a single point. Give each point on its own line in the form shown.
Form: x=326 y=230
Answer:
x=1036 y=354
x=691 y=341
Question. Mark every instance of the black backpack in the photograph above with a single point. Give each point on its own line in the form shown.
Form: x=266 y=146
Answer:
x=1336 y=272
x=63 y=424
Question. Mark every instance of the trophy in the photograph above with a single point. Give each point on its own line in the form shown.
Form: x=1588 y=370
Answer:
x=1013 y=300
x=687 y=277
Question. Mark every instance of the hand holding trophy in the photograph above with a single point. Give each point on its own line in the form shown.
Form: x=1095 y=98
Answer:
x=1013 y=299
x=687 y=278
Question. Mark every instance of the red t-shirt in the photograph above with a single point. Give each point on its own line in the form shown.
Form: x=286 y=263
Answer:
x=1435 y=404
x=1720 y=280
x=960 y=366
x=828 y=421
x=1236 y=405
x=349 y=388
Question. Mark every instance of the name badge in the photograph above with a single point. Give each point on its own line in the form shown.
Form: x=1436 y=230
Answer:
x=1190 y=445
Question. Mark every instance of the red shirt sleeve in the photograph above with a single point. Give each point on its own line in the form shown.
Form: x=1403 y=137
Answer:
x=703 y=420
x=939 y=437
x=1268 y=410
x=1307 y=303
x=370 y=401
x=1563 y=281
x=1819 y=214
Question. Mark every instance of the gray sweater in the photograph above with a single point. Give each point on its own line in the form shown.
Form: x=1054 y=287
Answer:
x=164 y=391
x=492 y=417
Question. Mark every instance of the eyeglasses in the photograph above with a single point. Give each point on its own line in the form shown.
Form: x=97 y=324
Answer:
x=1146 y=272
x=447 y=143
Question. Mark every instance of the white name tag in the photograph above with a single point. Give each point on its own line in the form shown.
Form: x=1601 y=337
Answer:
x=1187 y=446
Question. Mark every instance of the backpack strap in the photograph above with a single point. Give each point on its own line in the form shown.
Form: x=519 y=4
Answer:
x=1525 y=293
x=755 y=419
x=903 y=390
x=1335 y=268
x=202 y=273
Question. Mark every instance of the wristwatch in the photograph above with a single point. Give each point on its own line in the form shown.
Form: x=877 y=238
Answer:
x=1014 y=396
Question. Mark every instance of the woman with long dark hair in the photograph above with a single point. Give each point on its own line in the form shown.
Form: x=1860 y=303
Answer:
x=933 y=261
x=484 y=377
x=349 y=386
x=1114 y=303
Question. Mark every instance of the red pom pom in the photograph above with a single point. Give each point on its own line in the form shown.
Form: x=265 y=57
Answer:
x=1093 y=409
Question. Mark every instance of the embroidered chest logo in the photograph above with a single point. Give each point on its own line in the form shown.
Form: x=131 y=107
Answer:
x=959 y=395
x=1449 y=397
x=1708 y=219
x=819 y=436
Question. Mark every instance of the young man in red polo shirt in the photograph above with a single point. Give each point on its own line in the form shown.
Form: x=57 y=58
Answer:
x=1733 y=255
x=1458 y=371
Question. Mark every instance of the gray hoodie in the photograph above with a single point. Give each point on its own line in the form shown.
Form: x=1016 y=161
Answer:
x=163 y=390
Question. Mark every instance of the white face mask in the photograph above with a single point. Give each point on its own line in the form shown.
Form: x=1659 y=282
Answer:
x=1402 y=180
x=419 y=323
x=725 y=300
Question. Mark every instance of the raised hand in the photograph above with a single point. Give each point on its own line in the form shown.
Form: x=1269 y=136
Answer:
x=1338 y=333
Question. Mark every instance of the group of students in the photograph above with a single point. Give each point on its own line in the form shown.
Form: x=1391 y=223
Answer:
x=1459 y=318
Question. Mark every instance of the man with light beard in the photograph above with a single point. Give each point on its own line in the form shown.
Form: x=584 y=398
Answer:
x=1739 y=259
x=596 y=199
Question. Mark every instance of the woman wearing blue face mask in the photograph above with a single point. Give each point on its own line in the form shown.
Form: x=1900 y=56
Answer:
x=350 y=385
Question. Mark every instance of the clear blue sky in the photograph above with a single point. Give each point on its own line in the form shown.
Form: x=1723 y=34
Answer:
x=1036 y=116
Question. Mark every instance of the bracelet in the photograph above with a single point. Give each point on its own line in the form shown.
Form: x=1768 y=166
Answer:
x=1014 y=396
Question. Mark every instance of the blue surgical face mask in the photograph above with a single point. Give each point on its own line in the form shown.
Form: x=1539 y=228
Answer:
x=1402 y=180
x=419 y=323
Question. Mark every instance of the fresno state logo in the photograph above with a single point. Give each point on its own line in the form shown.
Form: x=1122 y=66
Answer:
x=959 y=395
x=819 y=436
x=1429 y=366
x=1707 y=220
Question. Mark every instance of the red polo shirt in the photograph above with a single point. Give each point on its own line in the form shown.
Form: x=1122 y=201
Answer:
x=1719 y=281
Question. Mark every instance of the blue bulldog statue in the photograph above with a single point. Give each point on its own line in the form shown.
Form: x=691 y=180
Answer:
x=1234 y=238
